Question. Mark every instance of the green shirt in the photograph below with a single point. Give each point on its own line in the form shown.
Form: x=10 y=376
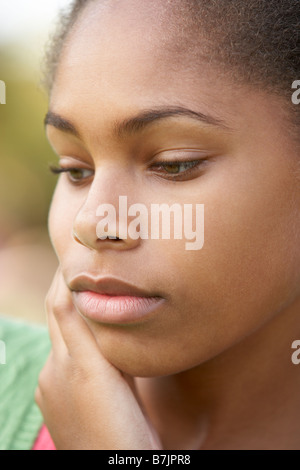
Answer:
x=24 y=349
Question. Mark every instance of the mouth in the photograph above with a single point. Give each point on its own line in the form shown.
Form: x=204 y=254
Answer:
x=111 y=300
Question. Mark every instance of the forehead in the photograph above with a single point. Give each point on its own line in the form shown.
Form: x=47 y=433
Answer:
x=125 y=56
x=154 y=22
x=133 y=54
x=128 y=36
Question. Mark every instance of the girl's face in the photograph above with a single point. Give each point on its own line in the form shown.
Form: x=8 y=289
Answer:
x=113 y=72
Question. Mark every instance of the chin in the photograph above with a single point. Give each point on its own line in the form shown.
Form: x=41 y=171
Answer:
x=133 y=354
x=142 y=368
x=140 y=356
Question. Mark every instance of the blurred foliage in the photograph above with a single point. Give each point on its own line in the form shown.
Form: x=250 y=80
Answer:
x=26 y=184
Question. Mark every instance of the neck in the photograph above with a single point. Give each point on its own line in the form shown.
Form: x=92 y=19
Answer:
x=245 y=398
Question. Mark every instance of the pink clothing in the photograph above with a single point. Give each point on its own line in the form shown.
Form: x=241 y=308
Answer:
x=44 y=441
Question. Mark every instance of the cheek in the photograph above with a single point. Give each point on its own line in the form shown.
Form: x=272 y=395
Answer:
x=60 y=221
x=248 y=269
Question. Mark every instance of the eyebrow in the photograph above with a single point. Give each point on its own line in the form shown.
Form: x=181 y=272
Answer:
x=57 y=121
x=138 y=122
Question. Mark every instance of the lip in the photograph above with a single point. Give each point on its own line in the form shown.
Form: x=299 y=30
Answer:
x=112 y=300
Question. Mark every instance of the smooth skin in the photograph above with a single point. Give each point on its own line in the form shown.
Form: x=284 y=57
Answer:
x=211 y=367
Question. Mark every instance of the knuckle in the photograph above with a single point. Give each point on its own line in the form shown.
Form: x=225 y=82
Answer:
x=80 y=375
x=38 y=396
x=42 y=381
x=60 y=309
x=48 y=302
x=44 y=378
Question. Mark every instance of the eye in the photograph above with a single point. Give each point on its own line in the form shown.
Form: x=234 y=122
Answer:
x=79 y=174
x=176 y=167
x=75 y=175
x=179 y=170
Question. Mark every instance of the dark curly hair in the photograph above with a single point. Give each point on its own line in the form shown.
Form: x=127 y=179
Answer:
x=255 y=41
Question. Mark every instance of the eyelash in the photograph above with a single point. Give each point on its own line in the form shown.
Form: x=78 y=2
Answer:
x=180 y=176
x=59 y=170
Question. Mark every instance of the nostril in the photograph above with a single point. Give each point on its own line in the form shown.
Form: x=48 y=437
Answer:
x=117 y=239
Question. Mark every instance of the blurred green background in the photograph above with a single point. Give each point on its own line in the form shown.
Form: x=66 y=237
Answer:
x=27 y=261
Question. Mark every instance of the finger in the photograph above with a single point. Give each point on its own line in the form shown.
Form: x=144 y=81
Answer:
x=77 y=336
x=58 y=345
x=43 y=382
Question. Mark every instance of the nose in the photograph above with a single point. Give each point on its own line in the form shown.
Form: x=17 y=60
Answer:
x=98 y=224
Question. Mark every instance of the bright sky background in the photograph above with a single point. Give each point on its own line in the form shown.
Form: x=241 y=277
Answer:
x=24 y=18
x=26 y=24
